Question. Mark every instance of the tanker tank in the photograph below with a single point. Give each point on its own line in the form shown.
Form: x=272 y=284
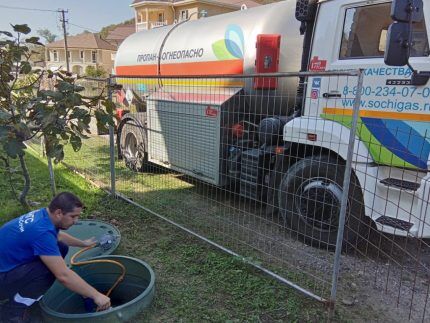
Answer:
x=218 y=45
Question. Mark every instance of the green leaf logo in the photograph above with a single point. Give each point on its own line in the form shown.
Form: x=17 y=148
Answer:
x=232 y=46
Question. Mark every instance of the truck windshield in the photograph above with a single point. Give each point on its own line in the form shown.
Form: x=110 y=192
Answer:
x=365 y=32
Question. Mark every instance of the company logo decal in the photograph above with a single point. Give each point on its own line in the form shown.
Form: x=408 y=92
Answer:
x=211 y=112
x=316 y=82
x=231 y=47
x=315 y=94
x=317 y=64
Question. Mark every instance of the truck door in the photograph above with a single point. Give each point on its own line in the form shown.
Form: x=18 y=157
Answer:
x=394 y=115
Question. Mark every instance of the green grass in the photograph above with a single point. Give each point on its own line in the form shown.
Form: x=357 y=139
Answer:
x=194 y=282
x=225 y=218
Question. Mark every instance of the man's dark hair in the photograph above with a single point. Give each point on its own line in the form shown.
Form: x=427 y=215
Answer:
x=66 y=202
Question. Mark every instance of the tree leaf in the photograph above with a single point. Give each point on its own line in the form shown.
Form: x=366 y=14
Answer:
x=4 y=115
x=78 y=113
x=4 y=132
x=22 y=131
x=110 y=106
x=9 y=34
x=76 y=142
x=23 y=29
x=57 y=96
x=33 y=40
x=79 y=88
x=64 y=86
x=14 y=148
x=86 y=119
x=25 y=68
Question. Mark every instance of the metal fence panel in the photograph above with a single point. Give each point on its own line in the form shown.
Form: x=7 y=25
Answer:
x=210 y=156
x=203 y=166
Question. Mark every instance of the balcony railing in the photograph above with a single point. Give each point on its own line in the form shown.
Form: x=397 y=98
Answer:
x=156 y=24
x=145 y=25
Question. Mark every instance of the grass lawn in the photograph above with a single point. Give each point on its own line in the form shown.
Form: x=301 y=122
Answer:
x=194 y=282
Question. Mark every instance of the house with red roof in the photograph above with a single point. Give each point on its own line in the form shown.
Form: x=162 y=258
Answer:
x=156 y=13
x=84 y=50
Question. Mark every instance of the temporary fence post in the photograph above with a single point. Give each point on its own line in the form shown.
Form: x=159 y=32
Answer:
x=111 y=143
x=346 y=182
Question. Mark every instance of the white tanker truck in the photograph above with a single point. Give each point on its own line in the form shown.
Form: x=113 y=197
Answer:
x=295 y=129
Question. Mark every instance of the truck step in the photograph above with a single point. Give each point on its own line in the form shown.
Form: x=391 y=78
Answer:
x=401 y=184
x=395 y=223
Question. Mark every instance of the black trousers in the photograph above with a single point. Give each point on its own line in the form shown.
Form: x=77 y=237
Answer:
x=25 y=285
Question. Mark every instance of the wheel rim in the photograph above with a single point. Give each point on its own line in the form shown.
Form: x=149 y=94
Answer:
x=317 y=202
x=131 y=145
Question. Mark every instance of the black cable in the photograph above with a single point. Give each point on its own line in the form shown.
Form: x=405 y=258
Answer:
x=30 y=9
x=90 y=29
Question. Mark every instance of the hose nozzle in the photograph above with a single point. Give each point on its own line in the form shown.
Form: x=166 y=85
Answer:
x=106 y=241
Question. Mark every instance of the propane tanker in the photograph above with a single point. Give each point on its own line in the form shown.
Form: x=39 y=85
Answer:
x=199 y=126
x=220 y=45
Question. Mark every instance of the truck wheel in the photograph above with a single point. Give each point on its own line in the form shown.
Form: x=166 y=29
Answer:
x=310 y=197
x=133 y=146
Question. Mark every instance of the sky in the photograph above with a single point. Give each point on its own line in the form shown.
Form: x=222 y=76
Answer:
x=91 y=15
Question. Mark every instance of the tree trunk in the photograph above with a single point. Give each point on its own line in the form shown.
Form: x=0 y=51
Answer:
x=27 y=182
x=9 y=175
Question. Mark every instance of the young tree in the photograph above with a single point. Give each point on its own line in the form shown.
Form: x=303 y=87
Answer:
x=47 y=35
x=92 y=71
x=60 y=117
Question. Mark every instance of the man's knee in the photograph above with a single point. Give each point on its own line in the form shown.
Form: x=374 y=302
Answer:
x=30 y=280
x=64 y=249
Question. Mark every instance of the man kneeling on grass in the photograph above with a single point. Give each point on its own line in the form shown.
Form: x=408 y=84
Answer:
x=32 y=251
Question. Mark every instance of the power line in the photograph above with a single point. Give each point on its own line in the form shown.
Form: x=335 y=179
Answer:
x=29 y=9
x=96 y=31
x=90 y=29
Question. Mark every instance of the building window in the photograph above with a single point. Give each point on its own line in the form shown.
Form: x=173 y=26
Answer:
x=160 y=17
x=183 y=15
x=94 y=56
x=82 y=54
x=365 y=32
x=55 y=54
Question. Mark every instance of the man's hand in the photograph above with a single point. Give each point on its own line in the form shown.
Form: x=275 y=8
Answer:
x=74 y=282
x=89 y=242
x=75 y=242
x=102 y=302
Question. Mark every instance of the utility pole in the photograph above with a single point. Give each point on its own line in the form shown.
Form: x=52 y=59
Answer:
x=63 y=20
x=50 y=167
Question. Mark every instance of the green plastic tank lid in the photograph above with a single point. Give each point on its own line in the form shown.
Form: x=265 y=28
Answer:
x=86 y=229
x=132 y=296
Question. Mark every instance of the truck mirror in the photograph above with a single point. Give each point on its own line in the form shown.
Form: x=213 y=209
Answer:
x=403 y=10
x=397 y=51
x=306 y=10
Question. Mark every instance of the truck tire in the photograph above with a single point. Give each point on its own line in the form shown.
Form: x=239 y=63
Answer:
x=310 y=197
x=132 y=146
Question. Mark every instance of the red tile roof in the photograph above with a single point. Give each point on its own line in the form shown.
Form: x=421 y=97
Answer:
x=87 y=40
x=121 y=32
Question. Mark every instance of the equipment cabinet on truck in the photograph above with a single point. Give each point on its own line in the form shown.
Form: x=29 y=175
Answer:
x=288 y=136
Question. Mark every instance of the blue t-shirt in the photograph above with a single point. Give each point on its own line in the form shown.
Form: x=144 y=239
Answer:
x=27 y=237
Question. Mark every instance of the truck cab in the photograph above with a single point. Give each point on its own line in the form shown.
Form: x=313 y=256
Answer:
x=392 y=142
